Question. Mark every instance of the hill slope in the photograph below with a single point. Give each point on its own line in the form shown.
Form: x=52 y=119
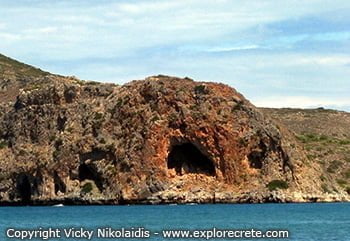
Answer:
x=13 y=69
x=325 y=136
x=159 y=140
x=15 y=75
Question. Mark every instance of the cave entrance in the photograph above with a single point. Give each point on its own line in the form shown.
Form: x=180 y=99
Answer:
x=24 y=188
x=186 y=158
x=89 y=172
x=60 y=186
x=256 y=159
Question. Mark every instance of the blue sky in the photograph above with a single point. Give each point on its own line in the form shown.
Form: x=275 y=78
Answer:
x=288 y=53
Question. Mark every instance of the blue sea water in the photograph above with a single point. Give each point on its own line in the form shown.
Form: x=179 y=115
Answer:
x=305 y=222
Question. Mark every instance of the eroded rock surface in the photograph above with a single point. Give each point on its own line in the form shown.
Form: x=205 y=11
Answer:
x=158 y=140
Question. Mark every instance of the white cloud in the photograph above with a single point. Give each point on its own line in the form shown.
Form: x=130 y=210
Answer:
x=5 y=37
x=203 y=39
x=302 y=102
x=326 y=60
x=233 y=48
x=41 y=30
x=146 y=7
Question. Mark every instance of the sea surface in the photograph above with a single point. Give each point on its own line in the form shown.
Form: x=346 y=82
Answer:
x=305 y=222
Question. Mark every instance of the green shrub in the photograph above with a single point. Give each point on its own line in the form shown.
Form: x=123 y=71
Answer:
x=92 y=83
x=348 y=190
x=325 y=188
x=333 y=167
x=243 y=142
x=200 y=89
x=308 y=138
x=3 y=144
x=277 y=184
x=310 y=156
x=347 y=174
x=341 y=182
x=238 y=106
x=344 y=142
x=323 y=138
x=87 y=188
x=98 y=116
x=70 y=129
x=155 y=118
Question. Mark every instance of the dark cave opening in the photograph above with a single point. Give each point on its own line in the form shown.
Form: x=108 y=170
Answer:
x=89 y=172
x=24 y=188
x=257 y=156
x=186 y=158
x=60 y=186
x=255 y=159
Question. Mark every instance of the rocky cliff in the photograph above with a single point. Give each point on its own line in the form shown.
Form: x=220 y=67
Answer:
x=159 y=140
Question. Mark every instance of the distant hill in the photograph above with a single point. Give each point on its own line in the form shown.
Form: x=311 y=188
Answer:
x=13 y=69
x=325 y=136
x=15 y=75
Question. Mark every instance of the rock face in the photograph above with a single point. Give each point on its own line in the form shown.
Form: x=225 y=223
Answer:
x=158 y=140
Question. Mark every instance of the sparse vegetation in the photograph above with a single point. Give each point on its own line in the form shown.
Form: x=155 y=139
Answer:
x=155 y=118
x=325 y=136
x=92 y=83
x=277 y=184
x=243 y=141
x=347 y=174
x=10 y=67
x=334 y=166
x=55 y=154
x=238 y=106
x=325 y=188
x=311 y=137
x=347 y=189
x=70 y=129
x=341 y=182
x=3 y=144
x=98 y=116
x=200 y=89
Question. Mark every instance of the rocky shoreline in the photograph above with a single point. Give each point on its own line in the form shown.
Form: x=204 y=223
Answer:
x=190 y=198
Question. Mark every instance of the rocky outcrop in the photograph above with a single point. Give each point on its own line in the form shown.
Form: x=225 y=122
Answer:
x=158 y=140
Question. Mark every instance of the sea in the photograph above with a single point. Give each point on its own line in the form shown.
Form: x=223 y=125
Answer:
x=303 y=222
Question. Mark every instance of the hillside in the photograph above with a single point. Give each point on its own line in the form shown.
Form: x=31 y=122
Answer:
x=325 y=136
x=158 y=140
x=15 y=75
x=13 y=69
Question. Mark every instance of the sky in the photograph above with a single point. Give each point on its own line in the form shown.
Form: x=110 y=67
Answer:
x=290 y=53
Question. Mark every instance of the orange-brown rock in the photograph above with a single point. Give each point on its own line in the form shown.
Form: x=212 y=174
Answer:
x=158 y=140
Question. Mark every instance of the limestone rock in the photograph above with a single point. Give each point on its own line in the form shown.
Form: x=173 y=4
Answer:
x=159 y=140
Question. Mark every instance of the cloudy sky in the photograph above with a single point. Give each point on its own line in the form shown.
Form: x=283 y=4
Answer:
x=277 y=53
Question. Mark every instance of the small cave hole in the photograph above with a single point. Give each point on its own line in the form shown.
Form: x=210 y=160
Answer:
x=257 y=156
x=61 y=123
x=60 y=186
x=24 y=188
x=89 y=172
x=255 y=159
x=186 y=158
